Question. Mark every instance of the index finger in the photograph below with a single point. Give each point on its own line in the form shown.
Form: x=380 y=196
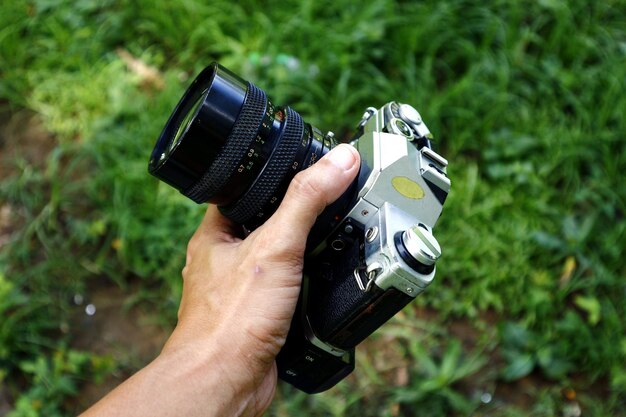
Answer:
x=215 y=227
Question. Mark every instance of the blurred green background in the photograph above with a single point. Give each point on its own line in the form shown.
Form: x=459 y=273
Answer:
x=526 y=98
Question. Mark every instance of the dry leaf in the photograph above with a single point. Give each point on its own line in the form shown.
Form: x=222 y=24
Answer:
x=149 y=77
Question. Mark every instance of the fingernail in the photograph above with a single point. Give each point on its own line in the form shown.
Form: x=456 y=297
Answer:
x=342 y=156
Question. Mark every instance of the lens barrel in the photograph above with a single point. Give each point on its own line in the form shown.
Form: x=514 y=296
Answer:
x=227 y=144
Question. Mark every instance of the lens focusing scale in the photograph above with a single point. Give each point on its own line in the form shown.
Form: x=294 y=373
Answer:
x=273 y=174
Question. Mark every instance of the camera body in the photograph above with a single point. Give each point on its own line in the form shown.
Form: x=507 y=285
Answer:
x=368 y=254
x=377 y=258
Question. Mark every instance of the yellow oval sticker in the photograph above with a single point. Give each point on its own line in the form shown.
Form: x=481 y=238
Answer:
x=408 y=188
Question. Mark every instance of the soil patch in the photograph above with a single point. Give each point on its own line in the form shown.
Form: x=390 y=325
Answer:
x=103 y=321
x=22 y=137
x=104 y=324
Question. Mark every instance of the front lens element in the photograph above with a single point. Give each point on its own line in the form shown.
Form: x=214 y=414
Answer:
x=184 y=125
x=198 y=127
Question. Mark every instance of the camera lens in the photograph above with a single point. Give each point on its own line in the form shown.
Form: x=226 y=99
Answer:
x=227 y=144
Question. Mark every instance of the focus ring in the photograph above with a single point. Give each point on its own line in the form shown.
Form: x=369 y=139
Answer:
x=273 y=174
x=238 y=142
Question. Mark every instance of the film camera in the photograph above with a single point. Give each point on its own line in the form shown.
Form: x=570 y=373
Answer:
x=368 y=254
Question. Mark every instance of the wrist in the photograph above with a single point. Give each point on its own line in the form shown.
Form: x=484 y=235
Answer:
x=207 y=372
x=241 y=346
x=185 y=379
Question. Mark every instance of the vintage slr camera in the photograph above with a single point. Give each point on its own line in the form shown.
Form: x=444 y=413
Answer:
x=368 y=254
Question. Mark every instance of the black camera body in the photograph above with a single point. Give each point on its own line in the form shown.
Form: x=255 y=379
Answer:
x=378 y=258
x=368 y=254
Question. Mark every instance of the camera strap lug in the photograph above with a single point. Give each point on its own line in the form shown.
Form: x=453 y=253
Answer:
x=365 y=276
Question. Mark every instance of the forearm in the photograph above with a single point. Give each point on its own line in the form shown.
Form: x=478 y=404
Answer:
x=185 y=380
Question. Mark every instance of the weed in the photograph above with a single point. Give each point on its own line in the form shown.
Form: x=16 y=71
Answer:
x=525 y=99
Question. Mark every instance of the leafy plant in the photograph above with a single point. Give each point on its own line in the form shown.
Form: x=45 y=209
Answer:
x=525 y=100
x=56 y=379
x=432 y=386
x=525 y=350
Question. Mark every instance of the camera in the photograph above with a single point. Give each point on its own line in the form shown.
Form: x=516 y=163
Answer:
x=368 y=254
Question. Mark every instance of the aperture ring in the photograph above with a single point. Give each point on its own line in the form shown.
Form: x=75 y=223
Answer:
x=243 y=133
x=272 y=175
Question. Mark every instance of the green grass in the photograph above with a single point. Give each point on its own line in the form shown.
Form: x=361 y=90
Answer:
x=527 y=102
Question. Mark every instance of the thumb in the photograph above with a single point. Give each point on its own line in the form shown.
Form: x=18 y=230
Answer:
x=309 y=193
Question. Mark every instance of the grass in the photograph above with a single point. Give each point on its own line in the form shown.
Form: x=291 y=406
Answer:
x=526 y=100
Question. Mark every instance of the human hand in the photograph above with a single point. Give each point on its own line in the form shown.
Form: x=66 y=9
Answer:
x=239 y=296
x=242 y=293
